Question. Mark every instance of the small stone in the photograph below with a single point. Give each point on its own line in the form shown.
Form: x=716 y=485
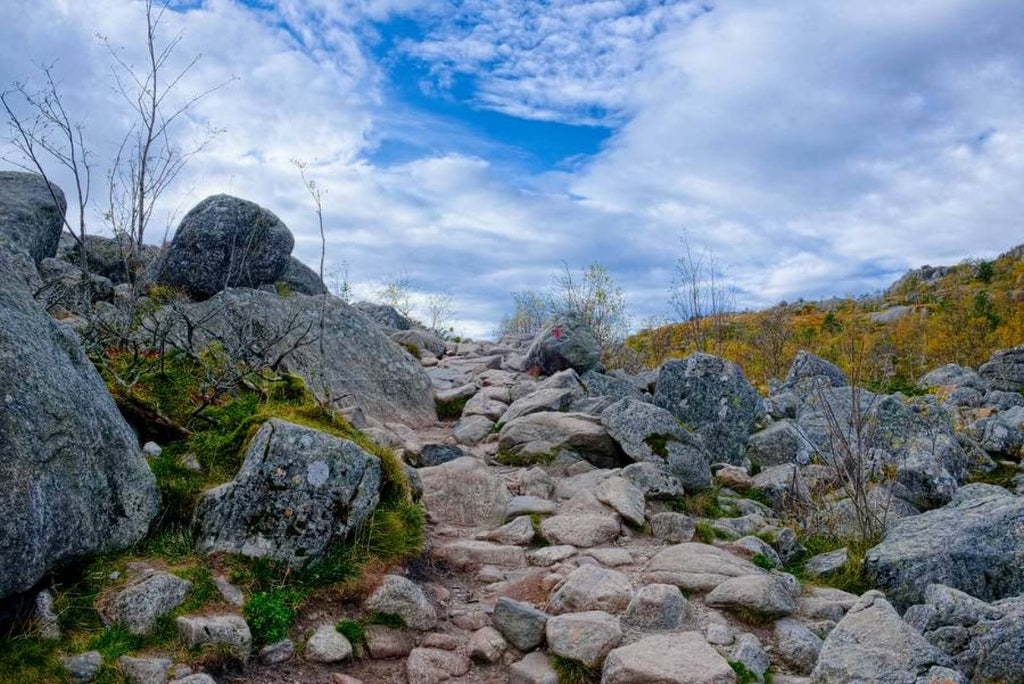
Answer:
x=524 y=505
x=144 y=670
x=674 y=528
x=520 y=623
x=535 y=668
x=400 y=596
x=749 y=652
x=384 y=642
x=518 y=532
x=592 y=588
x=549 y=555
x=201 y=678
x=339 y=678
x=191 y=462
x=148 y=595
x=436 y=454
x=432 y=665
x=229 y=592
x=486 y=645
x=797 y=645
x=446 y=642
x=278 y=652
x=719 y=634
x=624 y=497
x=82 y=667
x=327 y=645
x=583 y=531
x=586 y=637
x=825 y=564
x=466 y=554
x=763 y=595
x=657 y=607
x=44 y=620
x=151 y=450
x=226 y=630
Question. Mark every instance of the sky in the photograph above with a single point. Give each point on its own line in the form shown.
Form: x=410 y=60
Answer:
x=473 y=146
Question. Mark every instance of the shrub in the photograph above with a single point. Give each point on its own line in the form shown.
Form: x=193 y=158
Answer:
x=270 y=614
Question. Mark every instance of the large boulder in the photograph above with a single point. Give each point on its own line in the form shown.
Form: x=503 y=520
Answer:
x=116 y=259
x=651 y=434
x=360 y=366
x=915 y=439
x=872 y=644
x=711 y=397
x=31 y=214
x=385 y=316
x=300 y=278
x=1005 y=370
x=951 y=376
x=780 y=443
x=547 y=432
x=298 y=490
x=810 y=368
x=564 y=342
x=75 y=480
x=975 y=544
x=226 y=242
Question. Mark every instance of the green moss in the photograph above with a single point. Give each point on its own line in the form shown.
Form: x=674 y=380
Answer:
x=539 y=540
x=762 y=561
x=519 y=460
x=376 y=617
x=351 y=630
x=450 y=409
x=1002 y=475
x=571 y=671
x=743 y=675
x=658 y=444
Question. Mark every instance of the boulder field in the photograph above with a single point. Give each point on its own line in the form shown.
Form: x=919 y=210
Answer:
x=579 y=522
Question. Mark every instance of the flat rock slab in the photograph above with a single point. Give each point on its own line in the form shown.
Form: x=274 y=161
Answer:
x=683 y=658
x=696 y=567
x=469 y=553
x=582 y=530
x=464 y=493
x=763 y=595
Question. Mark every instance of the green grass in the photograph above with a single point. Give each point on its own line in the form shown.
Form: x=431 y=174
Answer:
x=353 y=631
x=571 y=671
x=743 y=675
x=451 y=409
x=376 y=617
x=658 y=444
x=539 y=540
x=1002 y=475
x=517 y=460
x=762 y=561
x=704 y=504
x=849 y=578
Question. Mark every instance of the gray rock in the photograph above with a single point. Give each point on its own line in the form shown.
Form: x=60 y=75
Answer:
x=609 y=385
x=301 y=279
x=327 y=645
x=655 y=481
x=66 y=288
x=520 y=505
x=765 y=596
x=674 y=528
x=44 y=621
x=433 y=665
x=472 y=429
x=696 y=567
x=520 y=623
x=591 y=587
x=534 y=668
x=384 y=642
x=420 y=339
x=549 y=555
x=996 y=650
x=147 y=596
x=436 y=454
x=711 y=397
x=278 y=652
x=582 y=530
x=953 y=376
x=201 y=678
x=648 y=433
x=563 y=342
x=465 y=492
x=586 y=637
x=226 y=242
x=116 y=259
x=83 y=667
x=77 y=483
x=964 y=545
x=1004 y=370
x=544 y=433
x=471 y=554
x=808 y=367
x=624 y=497
x=748 y=651
x=1000 y=400
x=487 y=645
x=680 y=658
x=227 y=631
x=796 y=645
x=543 y=400
x=483 y=405
x=298 y=490
x=783 y=487
x=144 y=670
x=657 y=607
x=825 y=564
x=229 y=592
x=1003 y=433
x=780 y=443
x=518 y=531
x=31 y=214
x=872 y=644
x=402 y=597
x=384 y=316
x=360 y=365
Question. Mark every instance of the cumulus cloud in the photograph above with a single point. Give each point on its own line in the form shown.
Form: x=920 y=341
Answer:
x=819 y=149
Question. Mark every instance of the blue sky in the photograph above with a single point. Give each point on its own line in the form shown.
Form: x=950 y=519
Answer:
x=818 y=148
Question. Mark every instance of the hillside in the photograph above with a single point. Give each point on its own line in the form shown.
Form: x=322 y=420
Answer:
x=929 y=317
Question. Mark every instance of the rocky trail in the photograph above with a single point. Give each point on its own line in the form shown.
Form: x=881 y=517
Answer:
x=582 y=525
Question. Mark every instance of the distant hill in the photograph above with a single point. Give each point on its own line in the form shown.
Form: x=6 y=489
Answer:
x=930 y=316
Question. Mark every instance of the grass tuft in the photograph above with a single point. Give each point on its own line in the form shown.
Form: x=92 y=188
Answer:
x=376 y=617
x=450 y=410
x=571 y=671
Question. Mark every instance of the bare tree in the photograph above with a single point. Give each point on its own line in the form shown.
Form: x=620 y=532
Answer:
x=45 y=134
x=700 y=299
x=530 y=310
x=440 y=312
x=339 y=284
x=396 y=292
x=595 y=298
x=772 y=338
x=148 y=159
